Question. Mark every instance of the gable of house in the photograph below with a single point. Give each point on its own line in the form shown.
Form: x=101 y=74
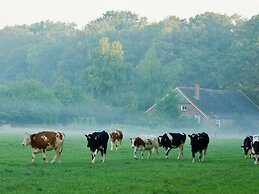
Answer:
x=221 y=104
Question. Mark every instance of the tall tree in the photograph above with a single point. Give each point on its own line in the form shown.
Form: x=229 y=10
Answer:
x=154 y=79
x=106 y=74
x=241 y=68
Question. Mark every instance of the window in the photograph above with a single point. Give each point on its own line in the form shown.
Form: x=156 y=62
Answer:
x=183 y=108
x=218 y=123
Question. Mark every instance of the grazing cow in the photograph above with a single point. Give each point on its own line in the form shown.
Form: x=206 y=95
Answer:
x=247 y=145
x=144 y=144
x=255 y=148
x=199 y=143
x=45 y=141
x=97 y=141
x=172 y=140
x=116 y=138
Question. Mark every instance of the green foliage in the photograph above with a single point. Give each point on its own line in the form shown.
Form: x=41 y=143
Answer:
x=154 y=77
x=107 y=72
x=168 y=105
x=66 y=93
x=122 y=60
x=27 y=102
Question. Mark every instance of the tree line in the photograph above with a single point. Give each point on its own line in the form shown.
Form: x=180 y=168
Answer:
x=121 y=64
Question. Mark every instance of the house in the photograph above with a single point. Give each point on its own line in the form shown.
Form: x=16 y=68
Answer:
x=214 y=108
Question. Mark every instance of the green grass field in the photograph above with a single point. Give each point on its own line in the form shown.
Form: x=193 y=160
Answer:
x=225 y=170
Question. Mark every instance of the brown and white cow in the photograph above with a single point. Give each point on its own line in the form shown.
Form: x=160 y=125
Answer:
x=45 y=141
x=144 y=144
x=116 y=138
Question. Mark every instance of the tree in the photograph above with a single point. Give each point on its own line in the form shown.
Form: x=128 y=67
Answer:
x=153 y=78
x=29 y=102
x=241 y=68
x=106 y=74
x=115 y=21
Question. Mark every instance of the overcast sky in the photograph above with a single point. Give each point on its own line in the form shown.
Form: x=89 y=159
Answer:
x=81 y=12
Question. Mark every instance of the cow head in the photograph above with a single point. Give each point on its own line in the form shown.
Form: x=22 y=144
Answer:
x=162 y=140
x=27 y=139
x=132 y=140
x=90 y=140
x=194 y=138
x=114 y=137
x=136 y=142
x=159 y=139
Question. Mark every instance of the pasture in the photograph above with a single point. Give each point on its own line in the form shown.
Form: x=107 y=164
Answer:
x=225 y=170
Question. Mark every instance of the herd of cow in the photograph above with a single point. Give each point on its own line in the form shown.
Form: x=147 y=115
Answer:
x=98 y=141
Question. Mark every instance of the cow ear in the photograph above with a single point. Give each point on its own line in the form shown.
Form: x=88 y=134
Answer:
x=189 y=135
x=86 y=136
x=130 y=139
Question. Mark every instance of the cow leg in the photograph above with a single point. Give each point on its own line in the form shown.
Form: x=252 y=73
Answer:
x=101 y=150
x=202 y=154
x=149 y=153
x=33 y=157
x=251 y=155
x=57 y=155
x=256 y=157
x=135 y=153
x=180 y=155
x=94 y=155
x=167 y=152
x=142 y=153
x=193 y=156
x=157 y=151
x=44 y=155
x=34 y=152
x=111 y=145
x=103 y=154
x=116 y=145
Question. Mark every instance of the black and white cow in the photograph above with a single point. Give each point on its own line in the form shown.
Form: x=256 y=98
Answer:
x=255 y=148
x=199 y=143
x=97 y=141
x=172 y=140
x=247 y=145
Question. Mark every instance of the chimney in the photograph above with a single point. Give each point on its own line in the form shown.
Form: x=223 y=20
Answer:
x=197 y=91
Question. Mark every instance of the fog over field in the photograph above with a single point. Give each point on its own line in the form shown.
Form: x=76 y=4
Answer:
x=128 y=131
